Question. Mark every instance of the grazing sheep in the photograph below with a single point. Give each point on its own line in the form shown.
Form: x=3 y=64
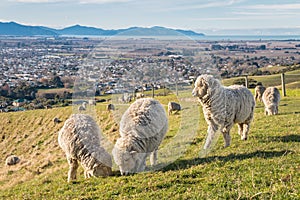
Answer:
x=271 y=99
x=223 y=107
x=12 y=160
x=142 y=128
x=80 y=139
x=259 y=90
x=82 y=107
x=139 y=95
x=56 y=120
x=92 y=102
x=110 y=107
x=172 y=106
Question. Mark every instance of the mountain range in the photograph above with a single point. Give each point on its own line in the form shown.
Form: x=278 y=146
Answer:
x=15 y=29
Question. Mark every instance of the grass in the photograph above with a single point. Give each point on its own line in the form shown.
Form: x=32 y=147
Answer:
x=266 y=166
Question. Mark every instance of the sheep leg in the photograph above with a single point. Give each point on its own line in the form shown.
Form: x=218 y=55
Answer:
x=227 y=138
x=153 y=157
x=246 y=128
x=142 y=163
x=211 y=131
x=73 y=166
x=240 y=132
x=226 y=134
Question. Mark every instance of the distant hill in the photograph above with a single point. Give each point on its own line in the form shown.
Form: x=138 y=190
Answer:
x=15 y=29
x=12 y=28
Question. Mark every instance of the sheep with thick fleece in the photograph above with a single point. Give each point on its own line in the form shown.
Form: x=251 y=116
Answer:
x=271 y=99
x=80 y=139
x=173 y=106
x=223 y=107
x=259 y=90
x=142 y=128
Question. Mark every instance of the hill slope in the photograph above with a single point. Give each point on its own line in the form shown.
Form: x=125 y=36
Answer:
x=263 y=167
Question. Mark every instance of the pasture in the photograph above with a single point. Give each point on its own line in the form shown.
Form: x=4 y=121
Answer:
x=266 y=166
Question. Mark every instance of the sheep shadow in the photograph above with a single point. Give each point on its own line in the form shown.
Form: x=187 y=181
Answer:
x=285 y=138
x=185 y=164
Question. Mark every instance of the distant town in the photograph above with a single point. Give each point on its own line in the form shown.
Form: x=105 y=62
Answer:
x=29 y=64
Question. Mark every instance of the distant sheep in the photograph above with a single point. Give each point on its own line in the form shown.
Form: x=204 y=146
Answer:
x=80 y=139
x=259 y=90
x=12 y=160
x=92 y=102
x=142 y=128
x=56 y=120
x=139 y=95
x=126 y=98
x=82 y=107
x=173 y=106
x=223 y=107
x=110 y=107
x=271 y=99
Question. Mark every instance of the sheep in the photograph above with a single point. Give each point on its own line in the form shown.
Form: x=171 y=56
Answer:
x=12 y=160
x=56 y=120
x=80 y=139
x=139 y=95
x=223 y=107
x=271 y=99
x=92 y=102
x=142 y=128
x=82 y=107
x=172 y=106
x=110 y=107
x=259 y=90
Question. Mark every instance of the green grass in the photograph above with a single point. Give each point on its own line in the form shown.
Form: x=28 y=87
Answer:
x=266 y=166
x=291 y=77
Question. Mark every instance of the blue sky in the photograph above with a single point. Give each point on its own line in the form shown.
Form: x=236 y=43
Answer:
x=183 y=14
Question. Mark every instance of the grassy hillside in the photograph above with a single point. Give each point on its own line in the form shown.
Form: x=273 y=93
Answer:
x=266 y=166
x=292 y=79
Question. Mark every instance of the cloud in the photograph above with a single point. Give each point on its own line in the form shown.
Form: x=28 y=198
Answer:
x=263 y=13
x=294 y=6
x=72 y=1
x=102 y=1
x=199 y=5
x=35 y=1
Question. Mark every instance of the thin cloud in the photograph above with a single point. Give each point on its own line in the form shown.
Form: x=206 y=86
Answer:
x=294 y=6
x=36 y=1
x=71 y=1
x=265 y=13
x=102 y=1
x=211 y=4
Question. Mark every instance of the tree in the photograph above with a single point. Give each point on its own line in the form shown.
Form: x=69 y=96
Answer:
x=56 y=82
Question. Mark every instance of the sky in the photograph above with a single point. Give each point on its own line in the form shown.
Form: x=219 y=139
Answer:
x=183 y=14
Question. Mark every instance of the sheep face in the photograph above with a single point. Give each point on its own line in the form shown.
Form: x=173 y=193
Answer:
x=200 y=89
x=101 y=170
x=127 y=161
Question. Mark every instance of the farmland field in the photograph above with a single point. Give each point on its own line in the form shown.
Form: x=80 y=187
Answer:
x=266 y=166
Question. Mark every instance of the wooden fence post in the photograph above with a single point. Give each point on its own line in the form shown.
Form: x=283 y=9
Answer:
x=246 y=81
x=283 y=84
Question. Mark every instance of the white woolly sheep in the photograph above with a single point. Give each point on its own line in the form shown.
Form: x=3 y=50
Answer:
x=173 y=106
x=271 y=99
x=139 y=95
x=223 y=107
x=142 y=128
x=92 y=102
x=259 y=90
x=12 y=160
x=80 y=139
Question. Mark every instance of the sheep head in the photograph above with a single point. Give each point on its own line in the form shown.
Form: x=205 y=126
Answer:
x=128 y=160
x=205 y=86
